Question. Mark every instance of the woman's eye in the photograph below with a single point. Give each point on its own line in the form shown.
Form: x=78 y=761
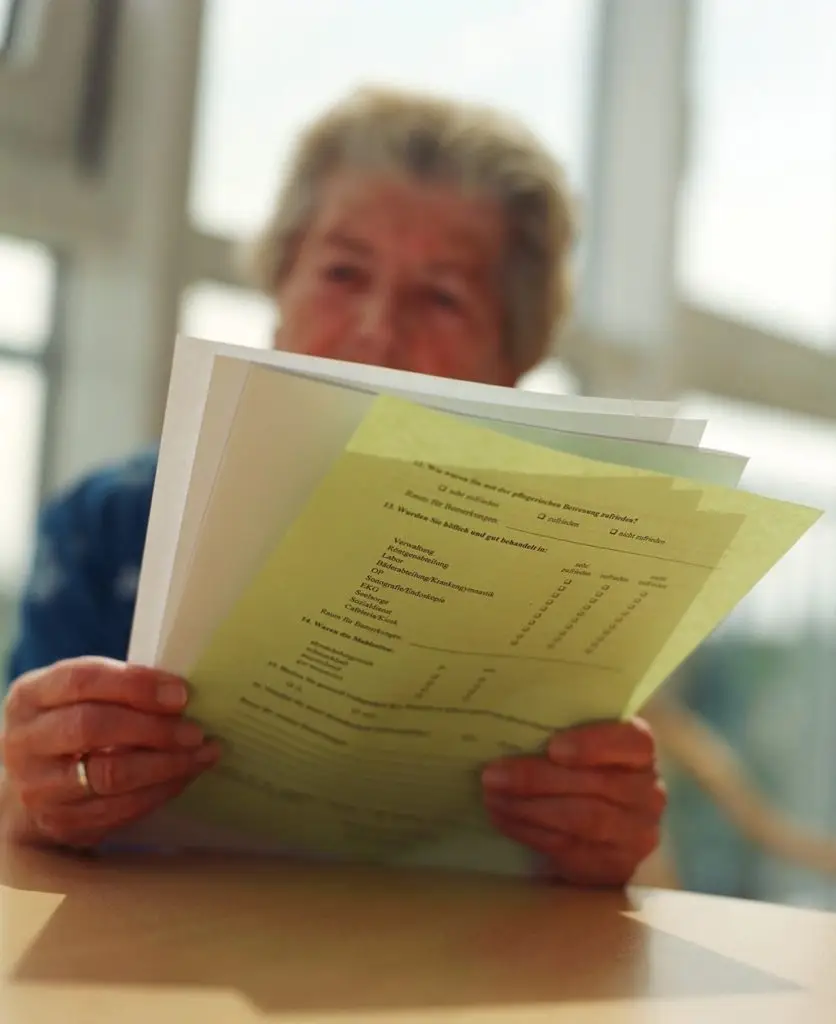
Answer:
x=342 y=273
x=444 y=299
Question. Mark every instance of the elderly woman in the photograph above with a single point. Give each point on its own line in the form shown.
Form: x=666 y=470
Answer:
x=411 y=233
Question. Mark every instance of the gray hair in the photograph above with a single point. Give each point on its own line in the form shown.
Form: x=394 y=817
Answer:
x=435 y=139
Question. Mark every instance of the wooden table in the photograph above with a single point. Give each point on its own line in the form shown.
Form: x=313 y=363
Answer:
x=218 y=940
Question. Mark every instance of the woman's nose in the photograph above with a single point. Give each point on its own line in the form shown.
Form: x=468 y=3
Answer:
x=377 y=327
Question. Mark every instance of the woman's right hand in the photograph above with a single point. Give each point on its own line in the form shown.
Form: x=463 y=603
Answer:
x=123 y=723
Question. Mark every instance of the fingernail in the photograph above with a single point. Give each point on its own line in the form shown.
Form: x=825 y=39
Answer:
x=187 y=734
x=208 y=753
x=171 y=695
x=496 y=776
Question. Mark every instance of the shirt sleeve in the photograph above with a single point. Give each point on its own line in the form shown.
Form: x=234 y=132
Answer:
x=63 y=609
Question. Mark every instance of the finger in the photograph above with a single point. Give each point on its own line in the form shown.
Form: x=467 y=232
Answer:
x=56 y=780
x=84 y=727
x=528 y=777
x=590 y=821
x=83 y=680
x=88 y=822
x=572 y=861
x=113 y=775
x=605 y=745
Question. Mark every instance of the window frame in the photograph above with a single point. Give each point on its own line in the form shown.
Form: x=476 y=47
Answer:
x=92 y=224
x=43 y=73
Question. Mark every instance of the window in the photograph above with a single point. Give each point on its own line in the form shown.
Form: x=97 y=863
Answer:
x=21 y=416
x=766 y=680
x=759 y=208
x=552 y=377
x=26 y=283
x=792 y=458
x=222 y=313
x=269 y=67
x=27 y=287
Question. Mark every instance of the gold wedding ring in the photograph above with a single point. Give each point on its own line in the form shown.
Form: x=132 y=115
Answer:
x=81 y=775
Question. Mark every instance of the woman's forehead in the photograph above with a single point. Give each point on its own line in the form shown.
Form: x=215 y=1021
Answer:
x=357 y=210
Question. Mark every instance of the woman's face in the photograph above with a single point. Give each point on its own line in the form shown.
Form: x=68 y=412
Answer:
x=399 y=274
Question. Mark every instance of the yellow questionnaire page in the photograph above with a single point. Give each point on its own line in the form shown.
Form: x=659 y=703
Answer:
x=418 y=620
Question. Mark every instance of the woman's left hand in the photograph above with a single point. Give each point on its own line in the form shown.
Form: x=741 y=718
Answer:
x=592 y=805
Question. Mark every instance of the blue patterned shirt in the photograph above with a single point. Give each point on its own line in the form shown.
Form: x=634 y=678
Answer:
x=80 y=595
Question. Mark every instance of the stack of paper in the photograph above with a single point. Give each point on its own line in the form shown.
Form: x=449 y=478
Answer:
x=376 y=582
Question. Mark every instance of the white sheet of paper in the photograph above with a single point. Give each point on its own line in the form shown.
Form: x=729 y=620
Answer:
x=625 y=418
x=188 y=389
x=184 y=480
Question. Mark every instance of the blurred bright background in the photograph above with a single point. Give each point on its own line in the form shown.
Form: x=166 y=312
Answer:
x=141 y=141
